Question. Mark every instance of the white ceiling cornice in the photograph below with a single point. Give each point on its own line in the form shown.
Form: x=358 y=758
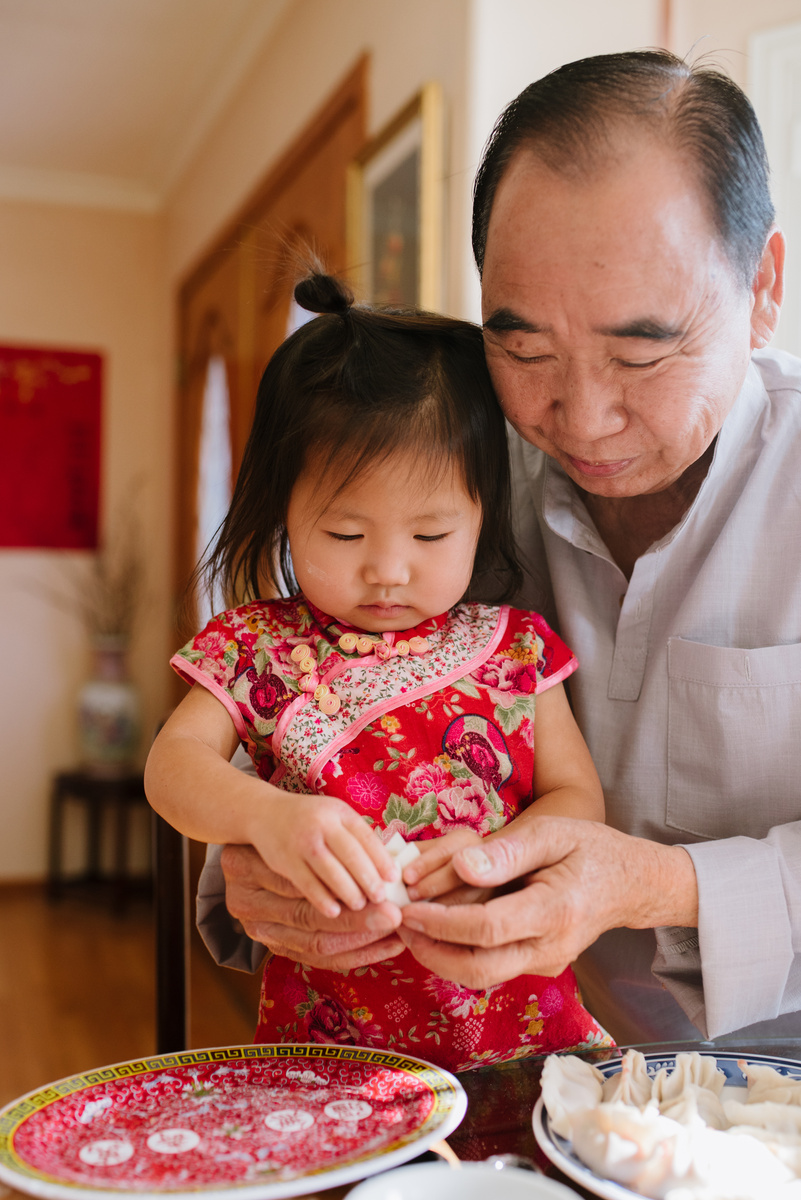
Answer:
x=105 y=104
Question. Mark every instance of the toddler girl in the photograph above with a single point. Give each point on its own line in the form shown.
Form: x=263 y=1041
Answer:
x=376 y=700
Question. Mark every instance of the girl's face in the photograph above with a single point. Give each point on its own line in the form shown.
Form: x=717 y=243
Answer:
x=387 y=551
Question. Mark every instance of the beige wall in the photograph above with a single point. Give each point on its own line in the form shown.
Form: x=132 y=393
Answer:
x=89 y=279
x=410 y=43
x=721 y=29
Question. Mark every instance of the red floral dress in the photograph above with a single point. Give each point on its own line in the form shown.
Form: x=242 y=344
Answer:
x=422 y=732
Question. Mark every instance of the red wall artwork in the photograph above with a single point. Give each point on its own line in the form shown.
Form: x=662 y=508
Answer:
x=50 y=409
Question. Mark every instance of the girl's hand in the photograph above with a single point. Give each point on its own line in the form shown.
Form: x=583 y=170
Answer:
x=432 y=874
x=326 y=850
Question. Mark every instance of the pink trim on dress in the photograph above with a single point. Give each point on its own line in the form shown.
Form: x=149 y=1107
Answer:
x=188 y=670
x=557 y=677
x=284 y=721
x=385 y=706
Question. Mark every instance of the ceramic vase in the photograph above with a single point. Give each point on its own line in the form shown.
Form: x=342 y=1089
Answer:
x=108 y=712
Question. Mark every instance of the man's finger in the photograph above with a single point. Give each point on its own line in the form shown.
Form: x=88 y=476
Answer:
x=500 y=859
x=496 y=923
x=330 y=951
x=244 y=865
x=478 y=969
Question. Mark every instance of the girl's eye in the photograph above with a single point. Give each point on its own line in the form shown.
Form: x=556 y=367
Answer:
x=344 y=537
x=430 y=537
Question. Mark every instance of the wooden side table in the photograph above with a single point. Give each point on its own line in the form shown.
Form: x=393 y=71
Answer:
x=118 y=797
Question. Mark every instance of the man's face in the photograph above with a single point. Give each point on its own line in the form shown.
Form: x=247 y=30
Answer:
x=617 y=334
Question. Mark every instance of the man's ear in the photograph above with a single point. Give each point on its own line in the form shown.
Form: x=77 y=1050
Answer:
x=768 y=290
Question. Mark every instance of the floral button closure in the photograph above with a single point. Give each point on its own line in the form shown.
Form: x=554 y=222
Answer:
x=350 y=643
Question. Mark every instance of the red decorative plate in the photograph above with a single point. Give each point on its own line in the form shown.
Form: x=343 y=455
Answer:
x=244 y=1122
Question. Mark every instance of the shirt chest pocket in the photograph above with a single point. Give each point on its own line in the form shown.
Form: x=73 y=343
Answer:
x=734 y=738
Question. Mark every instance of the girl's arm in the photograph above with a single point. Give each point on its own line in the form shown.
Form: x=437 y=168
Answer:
x=565 y=784
x=318 y=842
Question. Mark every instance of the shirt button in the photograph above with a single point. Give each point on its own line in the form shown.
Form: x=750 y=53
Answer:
x=321 y=690
x=418 y=645
x=365 y=645
x=348 y=642
x=402 y=647
x=330 y=704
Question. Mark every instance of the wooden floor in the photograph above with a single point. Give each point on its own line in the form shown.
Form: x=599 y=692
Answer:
x=77 y=990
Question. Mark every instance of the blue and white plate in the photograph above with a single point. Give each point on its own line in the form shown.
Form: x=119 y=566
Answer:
x=560 y=1150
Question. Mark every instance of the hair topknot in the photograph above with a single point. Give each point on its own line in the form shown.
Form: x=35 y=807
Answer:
x=320 y=293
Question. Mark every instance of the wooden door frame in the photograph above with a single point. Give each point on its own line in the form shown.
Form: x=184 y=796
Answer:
x=349 y=100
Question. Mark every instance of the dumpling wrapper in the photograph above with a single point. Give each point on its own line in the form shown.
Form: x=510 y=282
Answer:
x=631 y=1084
x=403 y=853
x=569 y=1085
x=696 y=1103
x=690 y=1068
x=766 y=1083
x=778 y=1118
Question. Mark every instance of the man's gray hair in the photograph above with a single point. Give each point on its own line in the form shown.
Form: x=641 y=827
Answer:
x=573 y=118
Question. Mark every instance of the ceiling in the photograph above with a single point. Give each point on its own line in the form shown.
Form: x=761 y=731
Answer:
x=105 y=101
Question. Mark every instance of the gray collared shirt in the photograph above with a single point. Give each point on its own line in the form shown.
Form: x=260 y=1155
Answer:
x=689 y=696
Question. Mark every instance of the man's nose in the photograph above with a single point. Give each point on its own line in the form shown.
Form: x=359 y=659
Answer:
x=588 y=405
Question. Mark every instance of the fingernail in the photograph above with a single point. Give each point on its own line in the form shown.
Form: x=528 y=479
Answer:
x=478 y=862
x=412 y=893
x=410 y=923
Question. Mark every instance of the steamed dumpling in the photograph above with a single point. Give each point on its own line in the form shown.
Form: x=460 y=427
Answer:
x=640 y=1149
x=765 y=1083
x=692 y=1068
x=632 y=1083
x=569 y=1085
x=779 y=1118
x=694 y=1104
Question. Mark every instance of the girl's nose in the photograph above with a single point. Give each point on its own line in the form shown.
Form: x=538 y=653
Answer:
x=387 y=570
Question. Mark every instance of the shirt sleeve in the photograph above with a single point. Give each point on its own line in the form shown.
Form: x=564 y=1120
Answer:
x=744 y=964
x=224 y=937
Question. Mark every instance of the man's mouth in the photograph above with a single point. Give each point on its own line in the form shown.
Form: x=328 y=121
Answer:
x=598 y=470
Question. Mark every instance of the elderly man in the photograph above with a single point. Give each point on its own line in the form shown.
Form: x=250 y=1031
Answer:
x=630 y=268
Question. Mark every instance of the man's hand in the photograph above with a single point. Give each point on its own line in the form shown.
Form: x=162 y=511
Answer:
x=273 y=912
x=577 y=879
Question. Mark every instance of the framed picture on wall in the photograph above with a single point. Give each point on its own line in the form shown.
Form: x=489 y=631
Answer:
x=394 y=208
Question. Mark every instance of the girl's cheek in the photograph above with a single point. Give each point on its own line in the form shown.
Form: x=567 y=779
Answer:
x=314 y=571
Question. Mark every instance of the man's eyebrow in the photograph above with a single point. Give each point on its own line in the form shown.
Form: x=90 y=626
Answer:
x=653 y=331
x=503 y=320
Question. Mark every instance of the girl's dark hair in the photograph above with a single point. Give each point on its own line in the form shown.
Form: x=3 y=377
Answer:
x=569 y=118
x=350 y=388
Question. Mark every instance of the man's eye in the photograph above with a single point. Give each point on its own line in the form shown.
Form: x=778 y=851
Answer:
x=430 y=537
x=527 y=358
x=344 y=537
x=640 y=366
